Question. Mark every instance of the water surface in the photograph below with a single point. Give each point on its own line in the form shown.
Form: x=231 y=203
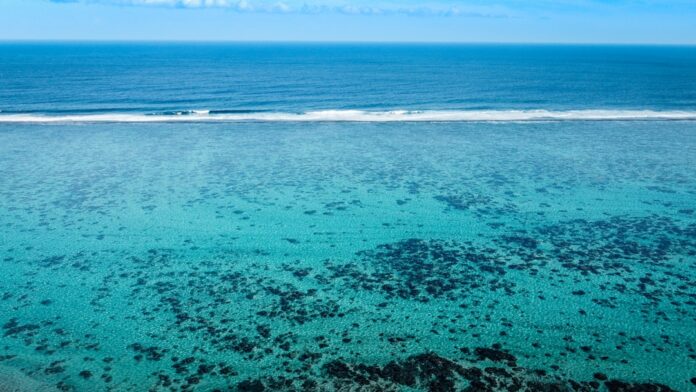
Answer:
x=276 y=255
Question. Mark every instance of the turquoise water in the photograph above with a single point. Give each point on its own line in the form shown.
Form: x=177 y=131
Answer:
x=347 y=218
x=201 y=256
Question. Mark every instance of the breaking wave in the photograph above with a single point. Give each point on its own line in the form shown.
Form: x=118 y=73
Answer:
x=355 y=116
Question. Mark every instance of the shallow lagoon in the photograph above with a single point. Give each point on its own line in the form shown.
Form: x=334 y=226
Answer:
x=329 y=256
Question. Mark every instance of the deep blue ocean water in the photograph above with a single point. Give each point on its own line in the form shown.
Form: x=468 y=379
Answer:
x=347 y=217
x=151 y=78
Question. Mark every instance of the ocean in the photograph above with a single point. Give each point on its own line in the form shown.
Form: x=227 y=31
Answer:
x=347 y=217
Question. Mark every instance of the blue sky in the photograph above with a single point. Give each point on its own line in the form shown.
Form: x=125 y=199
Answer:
x=574 y=21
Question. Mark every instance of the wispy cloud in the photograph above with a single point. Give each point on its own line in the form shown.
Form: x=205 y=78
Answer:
x=421 y=8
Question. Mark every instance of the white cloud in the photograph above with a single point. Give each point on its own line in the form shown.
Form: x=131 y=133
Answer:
x=321 y=6
x=240 y=5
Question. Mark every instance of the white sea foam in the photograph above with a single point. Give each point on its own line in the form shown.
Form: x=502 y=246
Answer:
x=360 y=116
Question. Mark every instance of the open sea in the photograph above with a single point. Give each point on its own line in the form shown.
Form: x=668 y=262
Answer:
x=315 y=217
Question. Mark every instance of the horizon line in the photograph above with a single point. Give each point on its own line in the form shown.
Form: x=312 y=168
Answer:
x=355 y=42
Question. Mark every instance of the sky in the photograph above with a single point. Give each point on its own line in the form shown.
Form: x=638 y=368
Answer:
x=513 y=21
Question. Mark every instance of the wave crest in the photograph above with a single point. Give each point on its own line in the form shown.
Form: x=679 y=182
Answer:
x=357 y=116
